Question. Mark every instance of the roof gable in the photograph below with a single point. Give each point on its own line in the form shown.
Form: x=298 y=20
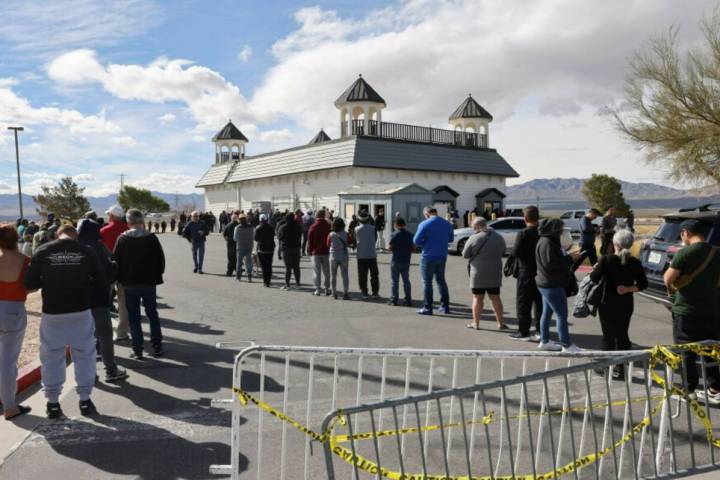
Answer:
x=488 y=191
x=470 y=109
x=230 y=132
x=360 y=91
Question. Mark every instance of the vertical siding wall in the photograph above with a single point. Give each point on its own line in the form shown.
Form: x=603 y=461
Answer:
x=467 y=185
x=320 y=189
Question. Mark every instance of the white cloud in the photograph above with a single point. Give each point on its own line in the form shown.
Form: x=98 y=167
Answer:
x=4 y=187
x=209 y=97
x=531 y=60
x=84 y=177
x=18 y=110
x=45 y=27
x=276 y=136
x=245 y=54
x=167 y=119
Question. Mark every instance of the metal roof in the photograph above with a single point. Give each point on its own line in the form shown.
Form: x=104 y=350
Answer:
x=215 y=175
x=385 y=153
x=320 y=137
x=359 y=91
x=361 y=152
x=230 y=132
x=383 y=188
x=470 y=109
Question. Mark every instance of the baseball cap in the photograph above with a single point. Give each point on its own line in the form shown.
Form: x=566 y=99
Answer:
x=116 y=211
x=692 y=225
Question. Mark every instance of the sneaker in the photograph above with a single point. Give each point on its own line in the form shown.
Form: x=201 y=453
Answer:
x=572 y=348
x=364 y=296
x=375 y=294
x=407 y=303
x=392 y=303
x=713 y=398
x=317 y=293
x=158 y=351
x=266 y=284
x=444 y=310
x=535 y=337
x=195 y=270
x=334 y=296
x=53 y=410
x=520 y=336
x=87 y=408
x=423 y=311
x=285 y=287
x=346 y=296
x=328 y=292
x=136 y=355
x=549 y=346
x=200 y=272
x=118 y=374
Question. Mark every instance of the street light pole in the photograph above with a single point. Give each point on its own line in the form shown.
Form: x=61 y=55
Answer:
x=17 y=161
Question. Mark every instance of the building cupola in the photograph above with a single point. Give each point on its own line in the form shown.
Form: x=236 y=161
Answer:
x=229 y=143
x=321 y=137
x=360 y=109
x=471 y=117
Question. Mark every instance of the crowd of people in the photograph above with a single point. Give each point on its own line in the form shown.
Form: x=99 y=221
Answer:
x=80 y=268
x=77 y=269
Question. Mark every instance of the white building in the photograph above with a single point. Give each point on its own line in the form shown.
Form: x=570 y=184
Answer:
x=457 y=165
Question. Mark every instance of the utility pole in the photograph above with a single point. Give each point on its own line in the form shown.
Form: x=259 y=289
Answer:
x=17 y=161
x=122 y=181
x=176 y=202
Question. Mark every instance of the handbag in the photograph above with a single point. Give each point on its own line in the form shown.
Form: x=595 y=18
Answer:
x=512 y=266
x=571 y=289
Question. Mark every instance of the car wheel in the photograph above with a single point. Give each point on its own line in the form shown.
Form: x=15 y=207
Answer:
x=461 y=246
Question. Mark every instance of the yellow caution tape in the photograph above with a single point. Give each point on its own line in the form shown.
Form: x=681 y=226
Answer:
x=658 y=354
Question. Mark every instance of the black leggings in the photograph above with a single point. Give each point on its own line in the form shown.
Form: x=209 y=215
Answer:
x=291 y=257
x=615 y=323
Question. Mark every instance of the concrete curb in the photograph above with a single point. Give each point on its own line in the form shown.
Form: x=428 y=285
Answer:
x=28 y=376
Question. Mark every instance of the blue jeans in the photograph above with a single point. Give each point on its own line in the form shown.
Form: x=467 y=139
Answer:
x=198 y=253
x=436 y=268
x=554 y=300
x=247 y=256
x=397 y=270
x=148 y=295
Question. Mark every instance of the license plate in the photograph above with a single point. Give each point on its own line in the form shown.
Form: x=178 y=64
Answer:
x=654 y=257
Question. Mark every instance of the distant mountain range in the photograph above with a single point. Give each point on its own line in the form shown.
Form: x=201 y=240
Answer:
x=566 y=193
x=9 y=203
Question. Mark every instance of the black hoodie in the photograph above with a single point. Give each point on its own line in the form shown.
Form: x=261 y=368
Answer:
x=553 y=266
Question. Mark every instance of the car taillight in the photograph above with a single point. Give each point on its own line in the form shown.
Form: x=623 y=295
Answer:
x=673 y=249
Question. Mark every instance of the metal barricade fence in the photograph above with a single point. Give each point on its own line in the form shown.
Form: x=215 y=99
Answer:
x=564 y=421
x=305 y=383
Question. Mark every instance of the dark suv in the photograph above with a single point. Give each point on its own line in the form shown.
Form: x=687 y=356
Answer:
x=658 y=251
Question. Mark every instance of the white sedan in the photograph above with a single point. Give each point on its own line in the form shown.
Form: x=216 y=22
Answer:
x=508 y=227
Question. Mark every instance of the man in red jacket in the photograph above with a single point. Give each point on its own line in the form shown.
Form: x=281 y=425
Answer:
x=109 y=233
x=319 y=252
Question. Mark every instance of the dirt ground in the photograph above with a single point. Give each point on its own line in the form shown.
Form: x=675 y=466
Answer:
x=31 y=343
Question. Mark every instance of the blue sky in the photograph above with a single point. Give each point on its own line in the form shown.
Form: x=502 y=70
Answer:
x=139 y=87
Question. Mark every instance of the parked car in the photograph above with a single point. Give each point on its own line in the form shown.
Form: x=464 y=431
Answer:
x=572 y=219
x=508 y=227
x=658 y=251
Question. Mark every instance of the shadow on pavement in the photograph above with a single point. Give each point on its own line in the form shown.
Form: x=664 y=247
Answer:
x=121 y=446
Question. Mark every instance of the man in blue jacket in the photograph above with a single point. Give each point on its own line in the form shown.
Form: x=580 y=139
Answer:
x=433 y=236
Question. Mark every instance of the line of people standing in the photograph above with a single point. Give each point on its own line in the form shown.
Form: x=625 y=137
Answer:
x=75 y=272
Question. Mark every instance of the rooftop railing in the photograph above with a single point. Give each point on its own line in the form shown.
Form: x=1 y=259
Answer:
x=414 y=133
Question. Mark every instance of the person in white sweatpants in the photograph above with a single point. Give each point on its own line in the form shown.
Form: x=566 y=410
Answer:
x=77 y=331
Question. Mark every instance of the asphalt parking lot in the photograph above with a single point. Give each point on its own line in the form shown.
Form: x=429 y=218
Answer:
x=160 y=424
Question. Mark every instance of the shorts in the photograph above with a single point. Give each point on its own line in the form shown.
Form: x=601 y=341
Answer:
x=483 y=291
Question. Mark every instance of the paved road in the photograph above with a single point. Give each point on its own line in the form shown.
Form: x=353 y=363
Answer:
x=160 y=425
